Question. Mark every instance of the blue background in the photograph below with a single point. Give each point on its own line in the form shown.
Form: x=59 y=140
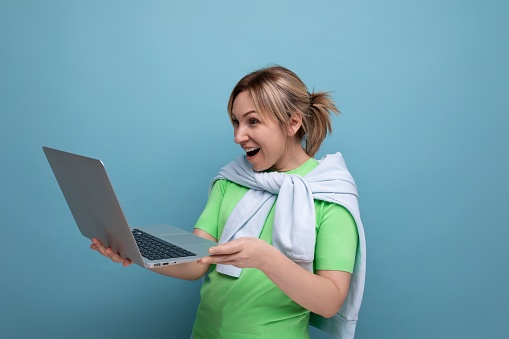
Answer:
x=422 y=86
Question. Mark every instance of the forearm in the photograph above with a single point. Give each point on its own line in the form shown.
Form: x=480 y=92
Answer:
x=322 y=293
x=319 y=294
x=187 y=271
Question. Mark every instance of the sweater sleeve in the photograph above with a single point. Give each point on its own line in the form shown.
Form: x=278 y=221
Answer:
x=337 y=238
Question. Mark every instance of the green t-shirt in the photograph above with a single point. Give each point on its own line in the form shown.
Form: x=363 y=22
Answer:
x=252 y=306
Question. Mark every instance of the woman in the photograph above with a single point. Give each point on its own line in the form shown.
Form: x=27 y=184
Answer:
x=288 y=245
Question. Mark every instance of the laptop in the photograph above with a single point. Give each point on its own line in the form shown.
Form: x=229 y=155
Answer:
x=97 y=212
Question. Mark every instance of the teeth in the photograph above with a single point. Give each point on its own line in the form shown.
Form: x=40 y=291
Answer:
x=251 y=149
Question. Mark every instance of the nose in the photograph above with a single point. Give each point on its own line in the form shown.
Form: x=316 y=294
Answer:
x=240 y=135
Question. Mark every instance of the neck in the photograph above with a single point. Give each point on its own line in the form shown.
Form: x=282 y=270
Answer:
x=295 y=157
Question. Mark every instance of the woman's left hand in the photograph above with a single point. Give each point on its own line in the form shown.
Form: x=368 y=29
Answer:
x=322 y=293
x=241 y=253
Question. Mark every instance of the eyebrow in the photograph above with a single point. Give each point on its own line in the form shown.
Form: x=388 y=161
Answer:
x=245 y=114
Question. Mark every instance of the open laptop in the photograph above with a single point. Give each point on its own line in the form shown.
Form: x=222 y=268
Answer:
x=97 y=212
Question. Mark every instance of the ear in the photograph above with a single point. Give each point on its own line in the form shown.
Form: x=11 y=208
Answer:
x=294 y=124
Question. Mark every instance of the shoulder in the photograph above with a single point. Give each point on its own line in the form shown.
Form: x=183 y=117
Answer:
x=224 y=185
x=331 y=213
x=329 y=206
x=220 y=185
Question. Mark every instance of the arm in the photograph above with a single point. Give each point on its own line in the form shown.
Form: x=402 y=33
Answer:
x=322 y=293
x=186 y=271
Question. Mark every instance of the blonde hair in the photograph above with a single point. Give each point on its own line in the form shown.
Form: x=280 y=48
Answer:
x=278 y=91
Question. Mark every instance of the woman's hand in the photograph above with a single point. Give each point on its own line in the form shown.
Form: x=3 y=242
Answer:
x=322 y=293
x=241 y=253
x=108 y=252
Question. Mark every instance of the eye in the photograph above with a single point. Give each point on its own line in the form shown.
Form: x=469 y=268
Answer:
x=235 y=122
x=254 y=122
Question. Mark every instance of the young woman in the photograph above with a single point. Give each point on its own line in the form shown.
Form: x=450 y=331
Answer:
x=288 y=226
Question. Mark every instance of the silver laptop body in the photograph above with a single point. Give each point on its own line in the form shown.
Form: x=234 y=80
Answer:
x=97 y=212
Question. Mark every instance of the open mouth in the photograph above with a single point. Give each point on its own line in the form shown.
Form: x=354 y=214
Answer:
x=252 y=152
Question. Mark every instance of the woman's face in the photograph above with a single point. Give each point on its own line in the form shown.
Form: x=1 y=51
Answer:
x=264 y=142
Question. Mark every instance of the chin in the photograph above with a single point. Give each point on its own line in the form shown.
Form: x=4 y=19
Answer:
x=260 y=165
x=259 y=168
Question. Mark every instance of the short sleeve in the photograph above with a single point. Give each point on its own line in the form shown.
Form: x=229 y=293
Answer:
x=337 y=238
x=208 y=220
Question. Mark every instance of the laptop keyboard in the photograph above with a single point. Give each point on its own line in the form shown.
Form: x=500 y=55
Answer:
x=155 y=248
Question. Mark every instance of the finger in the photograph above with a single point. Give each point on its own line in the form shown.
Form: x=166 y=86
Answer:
x=95 y=247
x=114 y=256
x=109 y=253
x=228 y=248
x=217 y=259
x=106 y=251
x=97 y=242
x=98 y=246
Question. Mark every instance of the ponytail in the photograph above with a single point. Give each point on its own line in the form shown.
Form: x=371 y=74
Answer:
x=317 y=122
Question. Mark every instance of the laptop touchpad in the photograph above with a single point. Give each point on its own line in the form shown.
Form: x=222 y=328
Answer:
x=182 y=239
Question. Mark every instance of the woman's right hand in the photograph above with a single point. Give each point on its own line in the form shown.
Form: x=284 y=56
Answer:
x=98 y=246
